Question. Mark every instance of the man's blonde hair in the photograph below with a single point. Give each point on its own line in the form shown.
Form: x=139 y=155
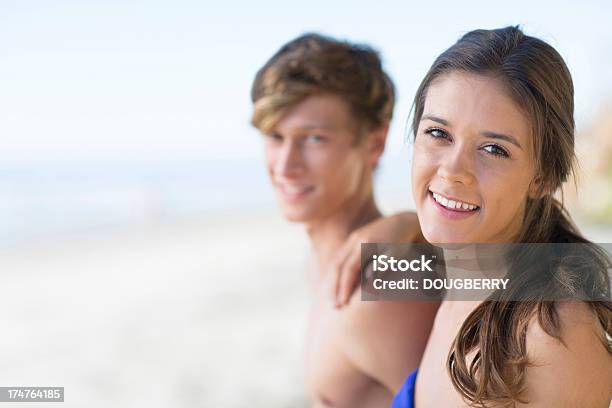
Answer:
x=314 y=64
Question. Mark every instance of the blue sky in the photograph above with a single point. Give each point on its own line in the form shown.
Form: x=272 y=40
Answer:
x=149 y=80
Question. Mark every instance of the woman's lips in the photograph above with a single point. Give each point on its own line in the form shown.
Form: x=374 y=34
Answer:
x=453 y=214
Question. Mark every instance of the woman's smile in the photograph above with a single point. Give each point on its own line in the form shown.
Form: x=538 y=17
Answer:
x=452 y=209
x=472 y=165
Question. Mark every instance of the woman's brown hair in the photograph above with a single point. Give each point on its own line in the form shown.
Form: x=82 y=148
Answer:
x=488 y=358
x=313 y=64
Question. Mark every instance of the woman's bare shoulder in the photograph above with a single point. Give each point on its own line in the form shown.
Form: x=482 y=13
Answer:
x=572 y=370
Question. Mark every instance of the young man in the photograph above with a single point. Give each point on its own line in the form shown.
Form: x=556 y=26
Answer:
x=324 y=108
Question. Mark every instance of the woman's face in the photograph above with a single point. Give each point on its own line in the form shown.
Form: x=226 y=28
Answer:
x=473 y=162
x=315 y=165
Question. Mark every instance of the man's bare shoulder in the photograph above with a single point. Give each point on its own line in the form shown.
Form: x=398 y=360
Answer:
x=574 y=370
x=390 y=315
x=386 y=339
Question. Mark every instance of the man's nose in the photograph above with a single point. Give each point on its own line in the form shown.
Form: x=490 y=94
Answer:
x=289 y=162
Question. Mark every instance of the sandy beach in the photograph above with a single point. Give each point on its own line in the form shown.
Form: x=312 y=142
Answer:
x=180 y=313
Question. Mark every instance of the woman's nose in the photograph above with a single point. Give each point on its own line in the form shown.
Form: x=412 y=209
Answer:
x=457 y=166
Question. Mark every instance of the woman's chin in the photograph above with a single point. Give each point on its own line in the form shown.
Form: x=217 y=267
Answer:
x=437 y=236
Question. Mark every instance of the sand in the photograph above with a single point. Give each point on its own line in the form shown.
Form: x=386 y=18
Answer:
x=176 y=313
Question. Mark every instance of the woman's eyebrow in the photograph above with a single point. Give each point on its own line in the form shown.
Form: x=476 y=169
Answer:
x=435 y=119
x=501 y=136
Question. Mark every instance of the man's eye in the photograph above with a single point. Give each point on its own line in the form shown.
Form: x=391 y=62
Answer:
x=275 y=137
x=437 y=133
x=316 y=138
x=496 y=150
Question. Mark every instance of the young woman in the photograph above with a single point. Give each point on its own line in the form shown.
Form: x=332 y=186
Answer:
x=493 y=142
x=324 y=108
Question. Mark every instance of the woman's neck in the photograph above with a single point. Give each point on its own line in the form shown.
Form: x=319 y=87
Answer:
x=467 y=262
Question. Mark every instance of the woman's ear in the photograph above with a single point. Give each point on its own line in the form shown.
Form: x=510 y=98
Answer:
x=376 y=143
x=537 y=188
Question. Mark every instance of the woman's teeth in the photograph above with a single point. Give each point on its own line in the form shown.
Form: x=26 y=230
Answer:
x=453 y=204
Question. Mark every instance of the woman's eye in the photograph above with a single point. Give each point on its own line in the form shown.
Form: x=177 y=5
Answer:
x=496 y=150
x=437 y=133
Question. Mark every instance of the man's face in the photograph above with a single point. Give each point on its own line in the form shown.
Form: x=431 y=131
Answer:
x=314 y=161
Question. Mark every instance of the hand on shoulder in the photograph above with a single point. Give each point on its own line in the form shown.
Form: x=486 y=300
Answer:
x=402 y=227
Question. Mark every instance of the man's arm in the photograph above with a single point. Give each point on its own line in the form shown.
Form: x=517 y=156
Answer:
x=386 y=340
